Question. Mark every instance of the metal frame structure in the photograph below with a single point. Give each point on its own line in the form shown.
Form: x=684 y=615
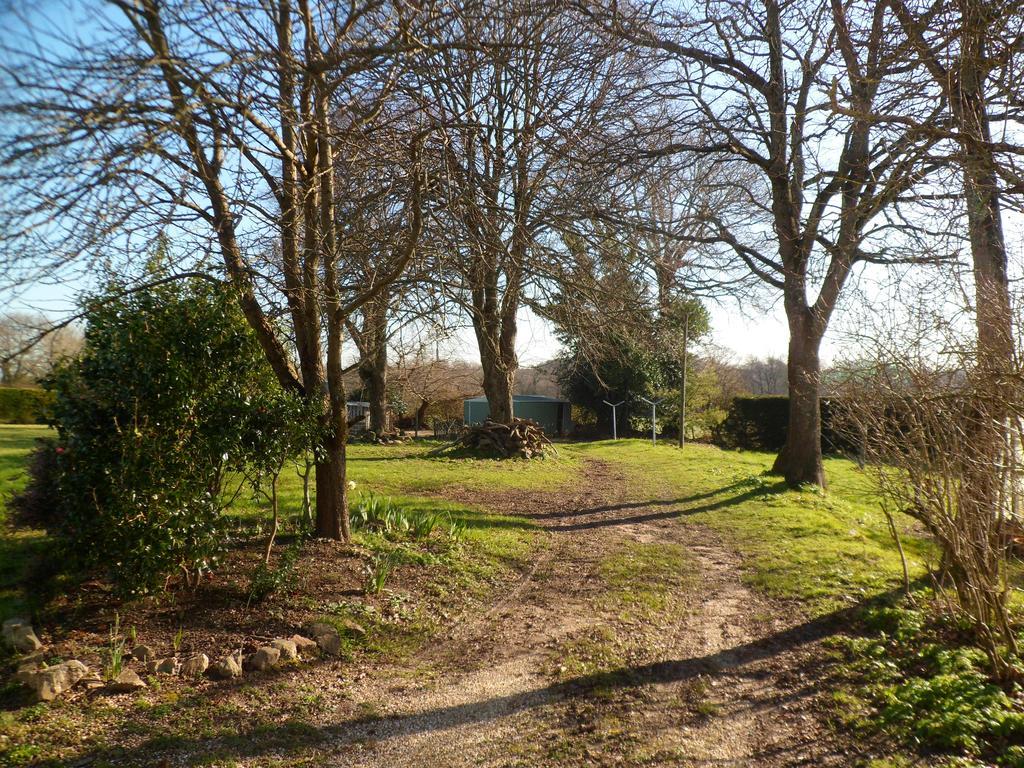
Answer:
x=615 y=421
x=654 y=418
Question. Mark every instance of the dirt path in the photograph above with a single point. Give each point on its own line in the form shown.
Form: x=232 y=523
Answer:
x=721 y=678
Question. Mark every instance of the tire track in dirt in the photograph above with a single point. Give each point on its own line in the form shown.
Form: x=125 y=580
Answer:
x=485 y=693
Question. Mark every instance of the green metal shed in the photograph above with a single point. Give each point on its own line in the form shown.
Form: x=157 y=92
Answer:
x=554 y=415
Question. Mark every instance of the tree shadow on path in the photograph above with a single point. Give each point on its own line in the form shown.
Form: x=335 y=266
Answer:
x=280 y=739
x=605 y=521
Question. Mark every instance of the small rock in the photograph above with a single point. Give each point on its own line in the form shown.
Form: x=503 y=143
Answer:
x=264 y=658
x=92 y=682
x=289 y=651
x=304 y=645
x=126 y=682
x=143 y=653
x=195 y=666
x=18 y=634
x=319 y=628
x=329 y=643
x=50 y=682
x=228 y=667
x=326 y=637
x=76 y=669
x=168 y=666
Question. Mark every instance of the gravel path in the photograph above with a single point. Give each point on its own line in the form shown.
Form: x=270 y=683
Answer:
x=724 y=679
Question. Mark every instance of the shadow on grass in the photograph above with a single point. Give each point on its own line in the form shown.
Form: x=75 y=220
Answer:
x=676 y=509
x=482 y=522
x=352 y=460
x=562 y=514
x=292 y=736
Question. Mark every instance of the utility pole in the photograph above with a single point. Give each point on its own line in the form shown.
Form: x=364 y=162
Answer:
x=654 y=418
x=682 y=384
x=615 y=427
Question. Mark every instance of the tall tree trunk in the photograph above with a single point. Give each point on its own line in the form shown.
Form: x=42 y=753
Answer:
x=800 y=459
x=373 y=359
x=332 y=516
x=496 y=336
x=682 y=384
x=373 y=373
x=498 y=385
x=375 y=386
x=983 y=508
x=981 y=191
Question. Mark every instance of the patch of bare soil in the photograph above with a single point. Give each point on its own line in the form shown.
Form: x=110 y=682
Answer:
x=219 y=617
x=728 y=678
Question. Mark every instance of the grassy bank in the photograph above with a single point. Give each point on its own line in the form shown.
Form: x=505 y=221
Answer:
x=826 y=548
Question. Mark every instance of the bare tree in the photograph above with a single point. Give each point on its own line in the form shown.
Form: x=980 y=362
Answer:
x=920 y=406
x=789 y=92
x=970 y=50
x=427 y=383
x=372 y=216
x=30 y=347
x=223 y=124
x=527 y=155
x=765 y=376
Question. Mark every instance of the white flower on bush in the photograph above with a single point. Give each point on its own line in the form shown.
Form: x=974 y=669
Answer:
x=351 y=485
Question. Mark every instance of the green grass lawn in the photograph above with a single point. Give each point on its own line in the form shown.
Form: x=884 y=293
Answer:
x=414 y=473
x=18 y=547
x=826 y=548
x=822 y=550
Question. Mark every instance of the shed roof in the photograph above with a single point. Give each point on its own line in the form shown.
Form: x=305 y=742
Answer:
x=521 y=399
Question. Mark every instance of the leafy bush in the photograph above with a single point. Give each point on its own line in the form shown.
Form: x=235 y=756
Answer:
x=157 y=408
x=268 y=579
x=23 y=405
x=929 y=690
x=760 y=424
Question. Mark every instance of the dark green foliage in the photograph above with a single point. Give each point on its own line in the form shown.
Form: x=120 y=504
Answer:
x=623 y=340
x=627 y=374
x=927 y=685
x=760 y=423
x=755 y=423
x=268 y=579
x=169 y=394
x=23 y=405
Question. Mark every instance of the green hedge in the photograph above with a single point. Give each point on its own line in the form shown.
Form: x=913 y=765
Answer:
x=760 y=424
x=21 y=405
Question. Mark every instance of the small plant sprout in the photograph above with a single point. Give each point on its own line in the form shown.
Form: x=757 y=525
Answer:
x=379 y=570
x=178 y=637
x=115 y=651
x=456 y=528
x=423 y=523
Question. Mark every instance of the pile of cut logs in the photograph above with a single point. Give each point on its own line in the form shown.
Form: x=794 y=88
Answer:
x=523 y=438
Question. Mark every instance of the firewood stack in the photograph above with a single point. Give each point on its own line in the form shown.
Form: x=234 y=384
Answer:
x=523 y=438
